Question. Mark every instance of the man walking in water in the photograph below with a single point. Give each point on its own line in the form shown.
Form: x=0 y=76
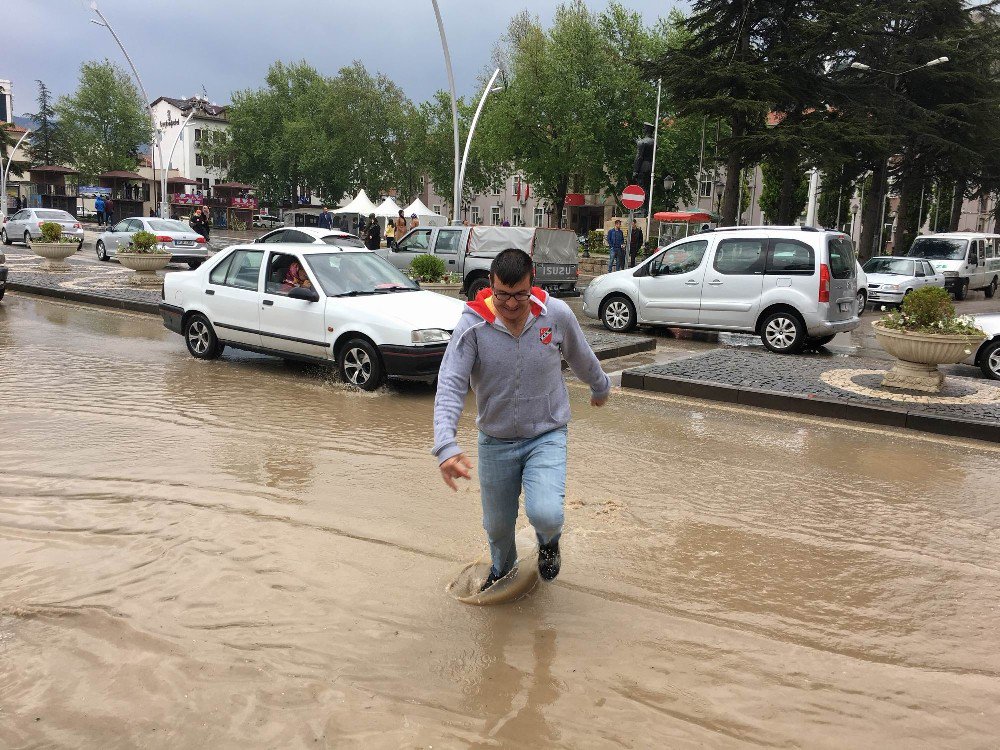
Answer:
x=509 y=345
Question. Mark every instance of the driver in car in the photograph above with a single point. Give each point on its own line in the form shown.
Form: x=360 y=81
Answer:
x=295 y=277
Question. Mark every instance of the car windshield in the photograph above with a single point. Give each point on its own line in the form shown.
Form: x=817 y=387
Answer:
x=342 y=240
x=353 y=274
x=894 y=266
x=54 y=216
x=938 y=248
x=168 y=225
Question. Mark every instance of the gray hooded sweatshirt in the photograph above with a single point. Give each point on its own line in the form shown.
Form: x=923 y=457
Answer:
x=520 y=391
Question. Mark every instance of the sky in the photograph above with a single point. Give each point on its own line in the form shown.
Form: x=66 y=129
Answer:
x=178 y=46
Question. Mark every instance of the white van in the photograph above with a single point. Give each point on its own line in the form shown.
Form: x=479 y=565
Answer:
x=968 y=260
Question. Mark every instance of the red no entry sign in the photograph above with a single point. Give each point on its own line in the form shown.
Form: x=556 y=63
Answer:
x=633 y=197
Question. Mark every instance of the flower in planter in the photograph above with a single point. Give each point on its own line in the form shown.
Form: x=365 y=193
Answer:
x=52 y=234
x=144 y=242
x=930 y=310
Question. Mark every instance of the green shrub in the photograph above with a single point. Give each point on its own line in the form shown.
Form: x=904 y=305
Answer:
x=929 y=310
x=143 y=242
x=51 y=232
x=595 y=241
x=427 y=268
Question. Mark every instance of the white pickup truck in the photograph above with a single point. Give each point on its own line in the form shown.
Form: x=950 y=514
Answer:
x=468 y=251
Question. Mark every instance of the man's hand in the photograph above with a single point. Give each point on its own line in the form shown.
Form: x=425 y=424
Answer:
x=455 y=467
x=595 y=401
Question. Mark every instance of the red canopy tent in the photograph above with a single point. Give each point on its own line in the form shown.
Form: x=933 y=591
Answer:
x=690 y=217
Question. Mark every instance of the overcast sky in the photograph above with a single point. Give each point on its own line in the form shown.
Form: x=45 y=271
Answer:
x=226 y=45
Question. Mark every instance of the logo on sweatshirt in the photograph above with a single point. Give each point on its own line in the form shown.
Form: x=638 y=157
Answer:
x=545 y=335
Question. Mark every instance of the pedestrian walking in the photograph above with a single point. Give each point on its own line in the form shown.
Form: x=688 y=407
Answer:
x=508 y=346
x=99 y=208
x=199 y=223
x=109 y=211
x=616 y=248
x=373 y=233
x=390 y=233
x=400 y=225
x=325 y=219
x=414 y=221
x=634 y=242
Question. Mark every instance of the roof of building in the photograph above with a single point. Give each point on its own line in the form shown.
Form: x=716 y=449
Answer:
x=178 y=180
x=184 y=105
x=234 y=185
x=54 y=169
x=121 y=174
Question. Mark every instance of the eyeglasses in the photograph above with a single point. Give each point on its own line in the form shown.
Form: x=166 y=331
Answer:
x=504 y=296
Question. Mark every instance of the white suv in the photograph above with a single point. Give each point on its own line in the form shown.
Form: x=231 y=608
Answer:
x=793 y=286
x=318 y=303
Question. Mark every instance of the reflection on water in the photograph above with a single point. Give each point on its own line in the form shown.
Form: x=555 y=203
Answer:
x=243 y=553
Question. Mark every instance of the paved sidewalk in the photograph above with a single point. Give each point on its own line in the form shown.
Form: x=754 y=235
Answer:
x=828 y=386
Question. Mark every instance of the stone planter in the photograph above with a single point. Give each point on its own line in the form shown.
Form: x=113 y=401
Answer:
x=919 y=355
x=451 y=290
x=55 y=254
x=145 y=266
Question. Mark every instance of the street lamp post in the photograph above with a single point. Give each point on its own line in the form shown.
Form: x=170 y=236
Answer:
x=876 y=249
x=456 y=195
x=4 y=169
x=652 y=166
x=468 y=139
x=157 y=133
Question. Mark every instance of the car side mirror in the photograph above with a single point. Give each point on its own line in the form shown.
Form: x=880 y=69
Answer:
x=304 y=293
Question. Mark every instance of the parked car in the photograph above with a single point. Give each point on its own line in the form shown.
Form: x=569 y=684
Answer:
x=792 y=286
x=862 y=286
x=185 y=244
x=987 y=356
x=968 y=260
x=357 y=311
x=266 y=220
x=25 y=225
x=469 y=251
x=891 y=278
x=314 y=235
x=3 y=275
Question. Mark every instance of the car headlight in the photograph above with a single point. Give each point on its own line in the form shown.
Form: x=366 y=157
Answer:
x=891 y=287
x=949 y=273
x=430 y=336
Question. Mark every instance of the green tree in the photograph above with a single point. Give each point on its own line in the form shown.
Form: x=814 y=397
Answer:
x=46 y=143
x=103 y=123
x=777 y=203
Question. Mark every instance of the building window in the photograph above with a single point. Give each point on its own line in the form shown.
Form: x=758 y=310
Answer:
x=197 y=135
x=497 y=190
x=475 y=215
x=705 y=190
x=515 y=217
x=197 y=159
x=436 y=208
x=495 y=215
x=539 y=217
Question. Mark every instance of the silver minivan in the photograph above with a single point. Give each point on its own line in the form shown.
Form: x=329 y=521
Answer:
x=792 y=286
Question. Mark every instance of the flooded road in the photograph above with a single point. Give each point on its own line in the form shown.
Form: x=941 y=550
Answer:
x=242 y=554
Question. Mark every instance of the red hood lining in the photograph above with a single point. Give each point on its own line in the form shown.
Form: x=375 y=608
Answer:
x=539 y=300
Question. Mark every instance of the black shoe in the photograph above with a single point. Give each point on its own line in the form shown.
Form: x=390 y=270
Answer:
x=490 y=580
x=548 y=560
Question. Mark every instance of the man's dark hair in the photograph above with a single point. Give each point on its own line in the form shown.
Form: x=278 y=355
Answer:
x=512 y=265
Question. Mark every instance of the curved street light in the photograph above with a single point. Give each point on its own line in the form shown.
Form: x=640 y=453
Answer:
x=154 y=144
x=3 y=175
x=456 y=202
x=472 y=129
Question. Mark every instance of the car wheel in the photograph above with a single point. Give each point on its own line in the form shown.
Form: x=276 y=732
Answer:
x=193 y=264
x=79 y=246
x=27 y=238
x=862 y=301
x=201 y=339
x=4 y=237
x=102 y=252
x=476 y=286
x=989 y=362
x=783 y=332
x=360 y=365
x=991 y=289
x=618 y=314
x=962 y=291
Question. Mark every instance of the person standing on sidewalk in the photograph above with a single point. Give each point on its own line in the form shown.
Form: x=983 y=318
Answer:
x=634 y=243
x=199 y=223
x=400 y=225
x=390 y=233
x=616 y=248
x=99 y=208
x=508 y=346
x=373 y=233
x=109 y=211
x=325 y=219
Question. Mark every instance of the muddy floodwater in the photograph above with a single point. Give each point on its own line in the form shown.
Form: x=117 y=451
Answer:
x=245 y=554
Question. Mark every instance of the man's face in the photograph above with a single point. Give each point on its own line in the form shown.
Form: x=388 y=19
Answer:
x=505 y=298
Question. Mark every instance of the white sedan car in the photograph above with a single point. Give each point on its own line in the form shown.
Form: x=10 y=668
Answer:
x=185 y=244
x=987 y=357
x=318 y=303
x=314 y=235
x=891 y=278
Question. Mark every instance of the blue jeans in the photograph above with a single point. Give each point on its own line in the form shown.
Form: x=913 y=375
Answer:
x=615 y=258
x=539 y=465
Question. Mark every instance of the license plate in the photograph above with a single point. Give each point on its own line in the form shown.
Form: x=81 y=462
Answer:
x=184 y=243
x=551 y=270
x=846 y=306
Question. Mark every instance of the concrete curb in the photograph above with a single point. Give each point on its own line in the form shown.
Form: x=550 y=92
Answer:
x=815 y=406
x=85 y=297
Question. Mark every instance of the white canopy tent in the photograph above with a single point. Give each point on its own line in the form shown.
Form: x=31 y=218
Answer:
x=424 y=214
x=387 y=209
x=361 y=205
